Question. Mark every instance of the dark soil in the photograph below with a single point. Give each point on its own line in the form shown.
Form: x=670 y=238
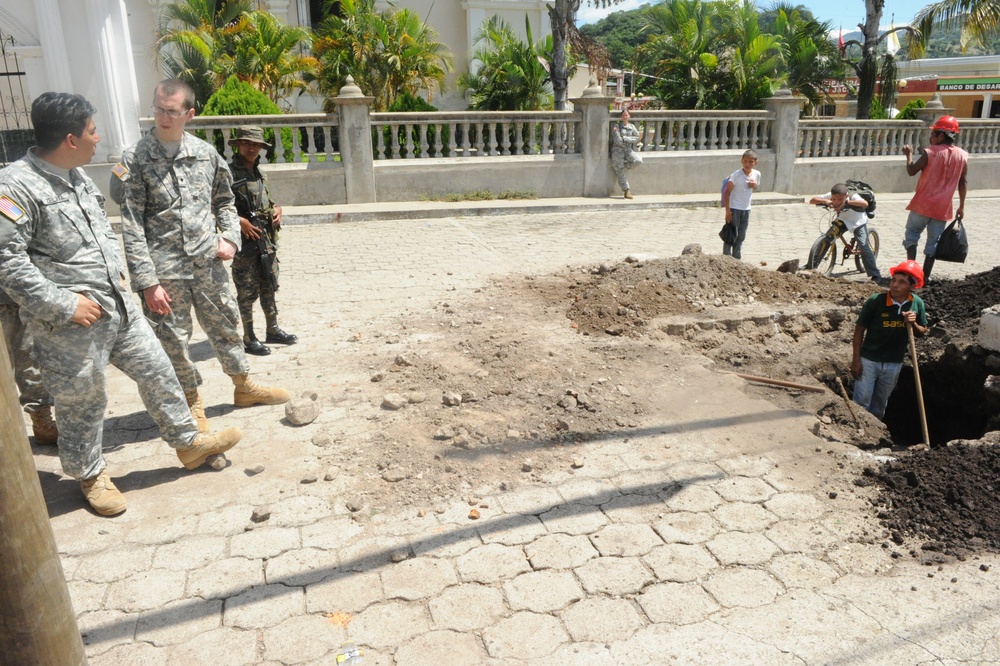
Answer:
x=945 y=497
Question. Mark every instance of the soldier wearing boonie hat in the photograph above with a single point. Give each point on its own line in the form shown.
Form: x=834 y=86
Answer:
x=255 y=267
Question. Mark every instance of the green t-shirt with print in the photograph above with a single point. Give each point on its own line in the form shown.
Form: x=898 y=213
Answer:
x=886 y=339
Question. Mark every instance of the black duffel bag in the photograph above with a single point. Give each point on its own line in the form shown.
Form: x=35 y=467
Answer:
x=953 y=244
x=728 y=233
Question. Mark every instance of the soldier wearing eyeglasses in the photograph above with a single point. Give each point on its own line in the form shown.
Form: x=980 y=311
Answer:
x=179 y=224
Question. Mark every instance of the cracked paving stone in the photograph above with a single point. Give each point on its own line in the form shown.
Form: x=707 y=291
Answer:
x=524 y=634
x=467 y=607
x=685 y=527
x=264 y=606
x=543 y=591
x=676 y=603
x=796 y=506
x=744 y=517
x=574 y=519
x=601 y=619
x=345 y=592
x=559 y=551
x=418 y=578
x=435 y=647
x=625 y=540
x=741 y=548
x=614 y=575
x=492 y=563
x=388 y=624
x=744 y=489
x=748 y=588
x=681 y=563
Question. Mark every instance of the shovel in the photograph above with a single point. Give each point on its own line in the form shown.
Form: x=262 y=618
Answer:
x=916 y=378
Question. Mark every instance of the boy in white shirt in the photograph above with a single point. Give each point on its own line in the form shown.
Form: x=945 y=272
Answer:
x=851 y=210
x=736 y=201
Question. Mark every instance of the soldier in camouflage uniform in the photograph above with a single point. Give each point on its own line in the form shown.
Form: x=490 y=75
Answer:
x=179 y=224
x=60 y=262
x=254 y=204
x=624 y=141
x=35 y=400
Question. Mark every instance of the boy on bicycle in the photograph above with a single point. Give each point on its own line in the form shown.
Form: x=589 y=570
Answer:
x=850 y=209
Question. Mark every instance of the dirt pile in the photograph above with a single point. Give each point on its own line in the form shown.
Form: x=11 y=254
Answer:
x=944 y=497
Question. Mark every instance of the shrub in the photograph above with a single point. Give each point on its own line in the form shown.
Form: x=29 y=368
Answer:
x=238 y=98
x=909 y=112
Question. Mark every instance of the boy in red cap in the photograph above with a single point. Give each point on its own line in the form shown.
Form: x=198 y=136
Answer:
x=880 y=337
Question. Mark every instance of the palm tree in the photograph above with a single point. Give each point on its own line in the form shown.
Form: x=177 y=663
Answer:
x=510 y=76
x=754 y=59
x=978 y=19
x=191 y=38
x=387 y=53
x=810 y=58
x=269 y=55
x=682 y=52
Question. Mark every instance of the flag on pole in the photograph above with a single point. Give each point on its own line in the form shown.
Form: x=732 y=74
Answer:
x=892 y=41
x=840 y=42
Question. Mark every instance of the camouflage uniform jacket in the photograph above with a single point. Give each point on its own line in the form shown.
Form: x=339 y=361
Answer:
x=256 y=199
x=56 y=242
x=174 y=210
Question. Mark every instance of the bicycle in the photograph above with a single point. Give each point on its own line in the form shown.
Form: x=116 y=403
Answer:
x=825 y=252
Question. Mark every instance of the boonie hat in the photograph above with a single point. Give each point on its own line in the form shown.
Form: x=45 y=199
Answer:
x=250 y=133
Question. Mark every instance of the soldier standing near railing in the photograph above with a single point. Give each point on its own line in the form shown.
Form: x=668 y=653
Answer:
x=624 y=143
x=255 y=267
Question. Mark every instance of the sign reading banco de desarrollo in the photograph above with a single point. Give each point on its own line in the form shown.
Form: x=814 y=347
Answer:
x=969 y=85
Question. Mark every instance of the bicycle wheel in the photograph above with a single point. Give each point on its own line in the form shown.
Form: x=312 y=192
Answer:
x=823 y=254
x=873 y=244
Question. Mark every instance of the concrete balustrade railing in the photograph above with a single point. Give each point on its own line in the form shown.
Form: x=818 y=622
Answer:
x=852 y=138
x=473 y=134
x=702 y=130
x=979 y=137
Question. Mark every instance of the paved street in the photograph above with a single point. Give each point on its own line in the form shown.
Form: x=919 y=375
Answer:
x=690 y=546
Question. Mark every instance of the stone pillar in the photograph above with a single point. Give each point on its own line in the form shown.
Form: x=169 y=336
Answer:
x=593 y=140
x=934 y=110
x=784 y=136
x=119 y=122
x=987 y=105
x=53 y=43
x=356 y=143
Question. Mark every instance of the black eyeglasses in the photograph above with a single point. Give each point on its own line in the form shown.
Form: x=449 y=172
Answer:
x=157 y=111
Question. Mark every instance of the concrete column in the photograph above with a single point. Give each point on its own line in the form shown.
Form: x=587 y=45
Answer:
x=987 y=105
x=784 y=136
x=119 y=120
x=934 y=110
x=39 y=626
x=53 y=43
x=279 y=8
x=593 y=140
x=356 y=143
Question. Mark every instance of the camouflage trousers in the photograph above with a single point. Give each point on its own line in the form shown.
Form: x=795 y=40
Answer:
x=250 y=286
x=209 y=296
x=622 y=159
x=27 y=376
x=74 y=359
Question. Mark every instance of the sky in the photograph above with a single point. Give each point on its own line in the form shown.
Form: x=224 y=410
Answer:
x=846 y=13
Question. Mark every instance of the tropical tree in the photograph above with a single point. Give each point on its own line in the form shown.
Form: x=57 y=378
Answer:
x=191 y=39
x=754 y=59
x=810 y=58
x=562 y=17
x=387 y=53
x=268 y=55
x=979 y=21
x=681 y=52
x=868 y=66
x=510 y=76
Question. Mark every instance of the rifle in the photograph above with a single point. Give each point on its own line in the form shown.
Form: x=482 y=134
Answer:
x=262 y=222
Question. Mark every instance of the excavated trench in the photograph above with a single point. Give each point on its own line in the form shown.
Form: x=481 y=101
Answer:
x=958 y=403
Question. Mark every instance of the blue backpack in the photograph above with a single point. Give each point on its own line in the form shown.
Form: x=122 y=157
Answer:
x=722 y=194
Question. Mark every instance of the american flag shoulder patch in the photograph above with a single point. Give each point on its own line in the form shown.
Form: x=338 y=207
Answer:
x=10 y=209
x=120 y=170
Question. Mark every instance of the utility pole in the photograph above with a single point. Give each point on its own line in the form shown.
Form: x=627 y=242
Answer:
x=37 y=624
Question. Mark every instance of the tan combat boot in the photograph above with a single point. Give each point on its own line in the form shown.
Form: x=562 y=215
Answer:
x=197 y=410
x=247 y=393
x=44 y=427
x=628 y=194
x=205 y=445
x=103 y=495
